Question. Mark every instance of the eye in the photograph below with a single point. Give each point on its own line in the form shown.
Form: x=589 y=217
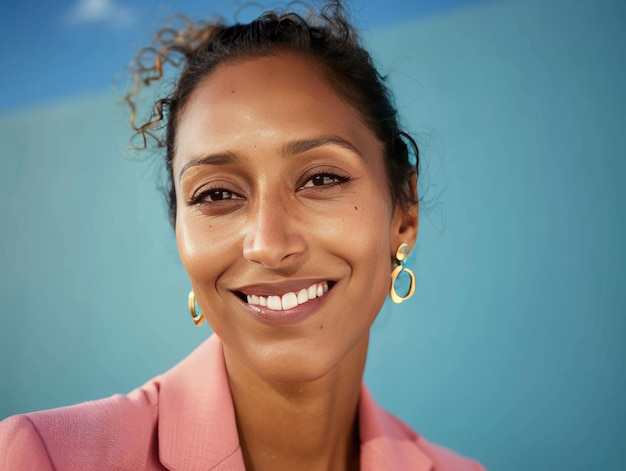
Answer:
x=323 y=180
x=214 y=196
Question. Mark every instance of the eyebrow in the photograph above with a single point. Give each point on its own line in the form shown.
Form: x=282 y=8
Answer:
x=211 y=159
x=302 y=145
x=292 y=148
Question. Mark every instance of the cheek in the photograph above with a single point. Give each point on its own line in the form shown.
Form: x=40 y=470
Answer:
x=205 y=250
x=373 y=213
x=366 y=240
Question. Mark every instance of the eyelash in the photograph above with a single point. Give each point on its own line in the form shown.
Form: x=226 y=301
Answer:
x=201 y=197
x=324 y=173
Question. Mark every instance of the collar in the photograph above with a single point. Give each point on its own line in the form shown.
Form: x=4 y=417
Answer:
x=386 y=442
x=197 y=429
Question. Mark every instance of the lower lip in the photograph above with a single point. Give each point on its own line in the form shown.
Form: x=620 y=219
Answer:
x=289 y=316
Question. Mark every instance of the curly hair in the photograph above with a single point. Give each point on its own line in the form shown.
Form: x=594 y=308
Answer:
x=327 y=37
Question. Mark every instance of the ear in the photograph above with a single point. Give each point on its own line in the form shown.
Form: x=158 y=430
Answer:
x=405 y=222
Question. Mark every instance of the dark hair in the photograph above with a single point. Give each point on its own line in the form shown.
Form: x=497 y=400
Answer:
x=326 y=37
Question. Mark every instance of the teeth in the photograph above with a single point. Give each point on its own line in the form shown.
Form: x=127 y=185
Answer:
x=291 y=299
x=273 y=302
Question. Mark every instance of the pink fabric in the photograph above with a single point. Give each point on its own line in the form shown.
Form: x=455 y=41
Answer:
x=184 y=420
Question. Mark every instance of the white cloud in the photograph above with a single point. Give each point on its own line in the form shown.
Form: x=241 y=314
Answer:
x=100 y=11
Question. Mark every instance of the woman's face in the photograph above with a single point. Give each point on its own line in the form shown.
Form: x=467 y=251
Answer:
x=285 y=223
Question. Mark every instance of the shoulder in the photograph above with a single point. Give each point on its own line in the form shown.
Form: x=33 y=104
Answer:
x=115 y=431
x=443 y=459
x=389 y=443
x=21 y=446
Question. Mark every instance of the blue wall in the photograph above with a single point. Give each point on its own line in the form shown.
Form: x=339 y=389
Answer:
x=518 y=330
x=513 y=348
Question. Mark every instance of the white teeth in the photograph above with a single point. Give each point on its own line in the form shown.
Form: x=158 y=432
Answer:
x=289 y=300
x=273 y=302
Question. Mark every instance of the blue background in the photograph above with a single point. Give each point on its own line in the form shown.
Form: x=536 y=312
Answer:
x=513 y=348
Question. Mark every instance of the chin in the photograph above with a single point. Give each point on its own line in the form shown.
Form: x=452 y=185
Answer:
x=295 y=373
x=298 y=363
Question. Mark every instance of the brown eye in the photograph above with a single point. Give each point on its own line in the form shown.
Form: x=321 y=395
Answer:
x=218 y=195
x=214 y=196
x=324 y=179
x=319 y=180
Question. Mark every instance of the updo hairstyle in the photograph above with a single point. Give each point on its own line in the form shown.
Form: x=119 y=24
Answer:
x=326 y=37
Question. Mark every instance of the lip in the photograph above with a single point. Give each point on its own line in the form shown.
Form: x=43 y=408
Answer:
x=280 y=288
x=287 y=316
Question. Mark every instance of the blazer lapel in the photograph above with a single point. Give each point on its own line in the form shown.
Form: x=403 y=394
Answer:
x=386 y=442
x=197 y=427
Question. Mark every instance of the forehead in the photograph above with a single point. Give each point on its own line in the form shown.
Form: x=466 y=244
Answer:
x=264 y=98
x=272 y=77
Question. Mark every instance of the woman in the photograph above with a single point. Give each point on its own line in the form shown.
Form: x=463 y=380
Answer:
x=294 y=203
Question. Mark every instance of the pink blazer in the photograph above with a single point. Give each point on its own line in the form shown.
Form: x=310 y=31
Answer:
x=184 y=420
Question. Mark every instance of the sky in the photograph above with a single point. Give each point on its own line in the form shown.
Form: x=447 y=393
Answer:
x=62 y=48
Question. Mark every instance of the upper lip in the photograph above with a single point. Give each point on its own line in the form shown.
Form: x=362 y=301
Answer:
x=279 y=288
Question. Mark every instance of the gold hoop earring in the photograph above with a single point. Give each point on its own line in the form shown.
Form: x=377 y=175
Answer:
x=401 y=254
x=194 y=309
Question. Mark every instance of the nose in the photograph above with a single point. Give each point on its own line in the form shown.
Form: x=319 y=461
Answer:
x=272 y=237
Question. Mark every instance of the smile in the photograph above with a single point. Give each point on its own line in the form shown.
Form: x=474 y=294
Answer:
x=290 y=299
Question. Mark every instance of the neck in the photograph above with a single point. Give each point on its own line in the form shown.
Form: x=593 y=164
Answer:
x=312 y=425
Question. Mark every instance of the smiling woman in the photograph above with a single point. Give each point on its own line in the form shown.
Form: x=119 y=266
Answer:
x=293 y=198
x=284 y=219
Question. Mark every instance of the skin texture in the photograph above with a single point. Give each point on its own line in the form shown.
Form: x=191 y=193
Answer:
x=260 y=215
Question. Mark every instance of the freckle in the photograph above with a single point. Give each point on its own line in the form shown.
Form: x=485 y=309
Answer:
x=232 y=91
x=321 y=326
